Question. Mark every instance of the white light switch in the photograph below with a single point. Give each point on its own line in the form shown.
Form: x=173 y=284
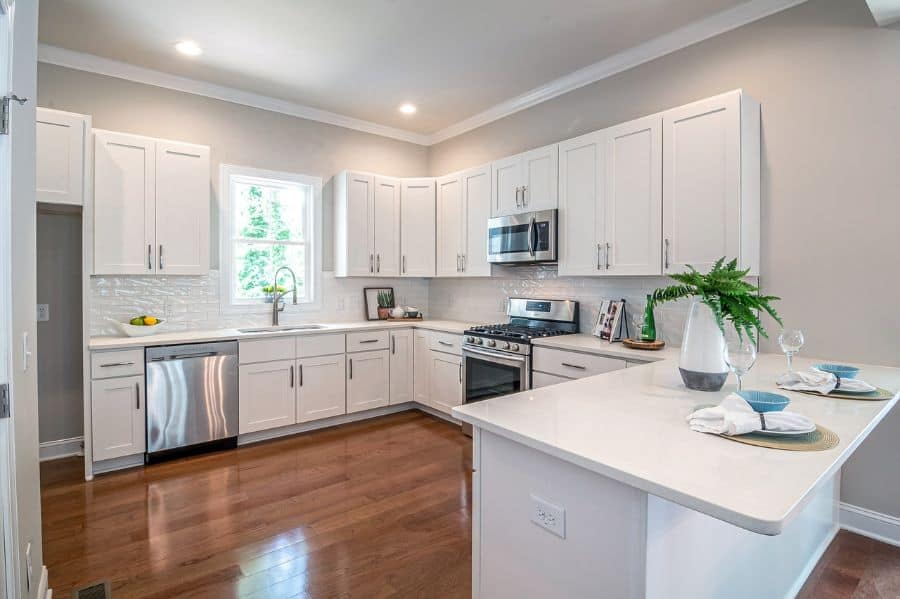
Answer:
x=43 y=312
x=549 y=516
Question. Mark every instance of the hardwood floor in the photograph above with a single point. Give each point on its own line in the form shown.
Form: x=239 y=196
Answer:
x=855 y=567
x=374 y=509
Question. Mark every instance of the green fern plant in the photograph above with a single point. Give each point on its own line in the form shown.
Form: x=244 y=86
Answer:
x=727 y=294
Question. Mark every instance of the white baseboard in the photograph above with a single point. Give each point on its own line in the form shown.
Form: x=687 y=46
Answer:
x=867 y=523
x=63 y=448
x=436 y=413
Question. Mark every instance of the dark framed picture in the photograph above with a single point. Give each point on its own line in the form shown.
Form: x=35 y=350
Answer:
x=379 y=301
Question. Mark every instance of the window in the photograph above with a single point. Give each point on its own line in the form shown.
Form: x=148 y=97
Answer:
x=270 y=221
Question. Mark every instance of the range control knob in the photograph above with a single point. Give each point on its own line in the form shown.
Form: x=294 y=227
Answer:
x=479 y=340
x=470 y=339
x=505 y=345
x=514 y=347
x=491 y=343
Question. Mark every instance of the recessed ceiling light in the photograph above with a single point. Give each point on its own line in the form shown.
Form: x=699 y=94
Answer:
x=408 y=108
x=189 y=48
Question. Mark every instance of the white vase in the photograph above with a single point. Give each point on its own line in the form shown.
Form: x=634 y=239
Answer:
x=702 y=364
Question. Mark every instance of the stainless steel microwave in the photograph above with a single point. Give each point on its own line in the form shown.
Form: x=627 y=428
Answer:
x=522 y=238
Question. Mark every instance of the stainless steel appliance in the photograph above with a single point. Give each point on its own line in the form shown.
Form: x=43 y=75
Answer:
x=523 y=238
x=192 y=397
x=497 y=357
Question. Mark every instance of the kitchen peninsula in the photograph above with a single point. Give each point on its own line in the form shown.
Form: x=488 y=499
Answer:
x=641 y=506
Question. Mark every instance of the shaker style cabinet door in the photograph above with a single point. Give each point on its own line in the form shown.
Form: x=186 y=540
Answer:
x=321 y=387
x=506 y=192
x=354 y=233
x=182 y=208
x=421 y=366
x=267 y=395
x=450 y=225
x=386 y=223
x=540 y=171
x=367 y=380
x=117 y=417
x=446 y=381
x=401 y=366
x=417 y=228
x=59 y=164
x=581 y=205
x=476 y=199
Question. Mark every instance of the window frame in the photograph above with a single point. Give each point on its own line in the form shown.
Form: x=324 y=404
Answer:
x=314 y=246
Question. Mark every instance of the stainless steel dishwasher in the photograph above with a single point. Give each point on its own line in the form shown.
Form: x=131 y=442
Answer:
x=192 y=398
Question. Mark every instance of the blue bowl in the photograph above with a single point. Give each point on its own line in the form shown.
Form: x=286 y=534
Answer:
x=763 y=401
x=841 y=370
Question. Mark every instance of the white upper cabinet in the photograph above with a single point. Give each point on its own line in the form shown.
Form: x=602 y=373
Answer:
x=386 y=225
x=150 y=196
x=711 y=183
x=581 y=205
x=476 y=206
x=354 y=236
x=59 y=165
x=507 y=186
x=417 y=228
x=450 y=224
x=525 y=182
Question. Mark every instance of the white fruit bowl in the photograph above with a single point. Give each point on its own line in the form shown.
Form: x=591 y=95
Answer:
x=131 y=330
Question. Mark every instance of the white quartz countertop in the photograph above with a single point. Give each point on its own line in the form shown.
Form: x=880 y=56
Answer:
x=593 y=345
x=197 y=336
x=629 y=425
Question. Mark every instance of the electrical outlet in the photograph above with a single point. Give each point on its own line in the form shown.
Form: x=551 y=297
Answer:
x=549 y=516
x=43 y=312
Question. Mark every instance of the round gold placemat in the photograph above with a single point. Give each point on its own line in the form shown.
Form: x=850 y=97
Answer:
x=818 y=440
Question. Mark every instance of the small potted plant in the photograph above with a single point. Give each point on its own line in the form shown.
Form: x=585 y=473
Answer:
x=720 y=295
x=271 y=290
x=385 y=303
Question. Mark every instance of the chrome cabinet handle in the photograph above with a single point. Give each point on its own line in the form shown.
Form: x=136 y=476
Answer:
x=577 y=366
x=161 y=264
x=666 y=254
x=116 y=364
x=371 y=262
x=463 y=269
x=292 y=377
x=351 y=369
x=149 y=256
x=137 y=396
x=445 y=343
x=518 y=189
x=524 y=197
x=393 y=345
x=377 y=262
x=598 y=255
x=457 y=262
x=368 y=341
x=300 y=368
x=403 y=259
x=460 y=372
x=607 y=256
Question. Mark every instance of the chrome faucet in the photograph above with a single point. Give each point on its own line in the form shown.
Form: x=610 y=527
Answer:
x=276 y=297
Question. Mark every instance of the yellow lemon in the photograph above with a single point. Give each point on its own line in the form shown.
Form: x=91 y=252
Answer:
x=150 y=321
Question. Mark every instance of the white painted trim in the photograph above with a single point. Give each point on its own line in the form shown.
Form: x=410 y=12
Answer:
x=63 y=448
x=128 y=461
x=44 y=591
x=437 y=413
x=812 y=563
x=875 y=525
x=114 y=68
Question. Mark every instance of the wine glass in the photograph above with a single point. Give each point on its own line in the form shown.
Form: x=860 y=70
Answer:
x=740 y=356
x=790 y=340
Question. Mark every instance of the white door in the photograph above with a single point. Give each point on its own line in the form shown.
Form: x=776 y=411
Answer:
x=367 y=380
x=360 y=248
x=633 y=198
x=476 y=191
x=540 y=172
x=417 y=228
x=387 y=227
x=701 y=183
x=117 y=416
x=421 y=366
x=581 y=205
x=401 y=366
x=450 y=225
x=124 y=198
x=267 y=395
x=182 y=208
x=446 y=388
x=59 y=168
x=506 y=192
x=321 y=387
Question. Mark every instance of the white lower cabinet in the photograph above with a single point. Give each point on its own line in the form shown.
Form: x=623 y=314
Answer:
x=421 y=366
x=321 y=387
x=368 y=375
x=401 y=371
x=542 y=379
x=446 y=381
x=267 y=396
x=117 y=417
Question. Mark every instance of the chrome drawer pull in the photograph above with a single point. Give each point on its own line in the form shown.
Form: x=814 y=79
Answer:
x=369 y=341
x=116 y=364
x=579 y=367
x=445 y=343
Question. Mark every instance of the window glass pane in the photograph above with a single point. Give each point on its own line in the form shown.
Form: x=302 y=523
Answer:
x=255 y=264
x=272 y=212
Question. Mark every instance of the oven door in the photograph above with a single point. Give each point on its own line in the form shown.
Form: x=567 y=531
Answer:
x=490 y=374
x=522 y=238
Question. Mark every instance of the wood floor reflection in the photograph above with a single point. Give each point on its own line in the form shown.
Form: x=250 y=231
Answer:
x=855 y=567
x=380 y=508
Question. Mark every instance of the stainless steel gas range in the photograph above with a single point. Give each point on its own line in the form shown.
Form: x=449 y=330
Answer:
x=497 y=358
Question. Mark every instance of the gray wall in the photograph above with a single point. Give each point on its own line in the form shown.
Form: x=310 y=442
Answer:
x=60 y=389
x=829 y=84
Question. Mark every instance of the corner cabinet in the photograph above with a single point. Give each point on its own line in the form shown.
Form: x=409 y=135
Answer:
x=463 y=210
x=401 y=367
x=525 y=182
x=59 y=165
x=151 y=206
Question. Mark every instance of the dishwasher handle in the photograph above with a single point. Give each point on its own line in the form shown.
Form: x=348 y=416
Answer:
x=193 y=351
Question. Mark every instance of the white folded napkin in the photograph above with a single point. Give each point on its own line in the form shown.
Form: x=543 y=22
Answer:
x=820 y=381
x=734 y=416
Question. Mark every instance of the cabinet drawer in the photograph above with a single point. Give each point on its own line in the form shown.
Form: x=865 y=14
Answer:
x=446 y=342
x=542 y=379
x=267 y=350
x=369 y=341
x=109 y=364
x=573 y=364
x=309 y=346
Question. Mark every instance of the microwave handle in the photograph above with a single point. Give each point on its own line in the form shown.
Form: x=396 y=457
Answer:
x=532 y=242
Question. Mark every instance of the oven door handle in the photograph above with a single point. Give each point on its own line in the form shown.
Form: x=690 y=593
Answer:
x=496 y=357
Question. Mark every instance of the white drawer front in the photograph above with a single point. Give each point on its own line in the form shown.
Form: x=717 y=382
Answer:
x=369 y=341
x=267 y=350
x=573 y=364
x=109 y=364
x=309 y=346
x=446 y=342
x=542 y=379
x=632 y=363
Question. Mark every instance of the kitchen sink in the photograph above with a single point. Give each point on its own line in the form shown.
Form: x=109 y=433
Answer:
x=287 y=327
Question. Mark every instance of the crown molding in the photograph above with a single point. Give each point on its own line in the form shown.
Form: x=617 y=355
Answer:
x=666 y=44
x=122 y=70
x=885 y=12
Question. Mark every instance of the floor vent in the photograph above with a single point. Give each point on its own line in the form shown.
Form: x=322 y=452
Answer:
x=98 y=590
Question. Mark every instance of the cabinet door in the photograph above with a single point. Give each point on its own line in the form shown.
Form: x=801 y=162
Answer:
x=446 y=381
x=701 y=183
x=540 y=176
x=449 y=226
x=124 y=204
x=506 y=190
x=387 y=227
x=476 y=190
x=421 y=366
x=59 y=164
x=367 y=380
x=117 y=417
x=267 y=395
x=581 y=215
x=401 y=366
x=182 y=208
x=634 y=198
x=357 y=211
x=321 y=387
x=417 y=228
